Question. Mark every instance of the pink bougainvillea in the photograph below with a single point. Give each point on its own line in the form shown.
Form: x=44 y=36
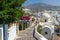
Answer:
x=25 y=18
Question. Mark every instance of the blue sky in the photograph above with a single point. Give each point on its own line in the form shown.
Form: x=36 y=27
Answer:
x=52 y=2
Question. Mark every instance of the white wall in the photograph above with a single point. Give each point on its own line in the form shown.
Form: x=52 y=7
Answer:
x=12 y=32
x=1 y=33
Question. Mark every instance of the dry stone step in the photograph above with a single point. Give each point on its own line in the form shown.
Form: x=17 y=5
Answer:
x=26 y=34
x=23 y=32
x=22 y=35
x=19 y=39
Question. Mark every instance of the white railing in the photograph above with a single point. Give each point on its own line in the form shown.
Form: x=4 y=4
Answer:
x=38 y=35
x=12 y=32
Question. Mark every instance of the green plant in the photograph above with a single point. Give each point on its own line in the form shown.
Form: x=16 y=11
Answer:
x=10 y=10
x=33 y=19
x=39 y=28
x=22 y=26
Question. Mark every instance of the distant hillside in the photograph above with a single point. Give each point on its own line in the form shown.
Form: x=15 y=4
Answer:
x=42 y=6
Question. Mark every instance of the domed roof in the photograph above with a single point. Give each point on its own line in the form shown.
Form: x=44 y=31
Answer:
x=46 y=15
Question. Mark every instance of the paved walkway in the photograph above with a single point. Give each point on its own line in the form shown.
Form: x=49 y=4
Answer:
x=55 y=37
x=26 y=34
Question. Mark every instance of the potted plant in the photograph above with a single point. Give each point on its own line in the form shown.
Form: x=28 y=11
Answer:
x=10 y=11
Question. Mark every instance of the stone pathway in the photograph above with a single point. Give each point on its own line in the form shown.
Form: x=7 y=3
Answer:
x=55 y=37
x=26 y=34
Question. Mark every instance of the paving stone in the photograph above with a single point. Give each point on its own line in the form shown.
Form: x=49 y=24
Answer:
x=55 y=37
x=26 y=34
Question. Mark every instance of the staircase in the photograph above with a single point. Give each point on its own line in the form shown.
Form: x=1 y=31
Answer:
x=26 y=34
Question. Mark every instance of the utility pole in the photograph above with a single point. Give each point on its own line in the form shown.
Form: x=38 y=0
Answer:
x=37 y=15
x=37 y=11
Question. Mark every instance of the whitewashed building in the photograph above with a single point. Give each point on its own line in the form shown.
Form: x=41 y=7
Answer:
x=8 y=33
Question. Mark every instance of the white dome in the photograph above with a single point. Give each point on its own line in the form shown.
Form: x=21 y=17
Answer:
x=26 y=9
x=46 y=15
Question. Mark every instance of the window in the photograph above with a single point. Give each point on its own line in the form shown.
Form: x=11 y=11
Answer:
x=45 y=20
